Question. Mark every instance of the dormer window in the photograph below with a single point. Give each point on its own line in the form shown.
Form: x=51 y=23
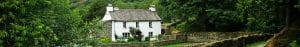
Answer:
x=150 y=24
x=124 y=24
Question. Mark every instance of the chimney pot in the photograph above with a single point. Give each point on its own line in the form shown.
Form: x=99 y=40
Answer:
x=109 y=7
x=152 y=8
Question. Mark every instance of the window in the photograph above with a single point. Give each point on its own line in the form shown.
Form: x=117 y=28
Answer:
x=125 y=35
x=124 y=24
x=150 y=34
x=137 y=24
x=150 y=24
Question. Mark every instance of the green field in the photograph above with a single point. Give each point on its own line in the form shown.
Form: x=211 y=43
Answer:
x=257 y=44
x=175 y=45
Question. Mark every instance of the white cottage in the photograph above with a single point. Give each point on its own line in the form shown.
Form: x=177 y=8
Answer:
x=119 y=21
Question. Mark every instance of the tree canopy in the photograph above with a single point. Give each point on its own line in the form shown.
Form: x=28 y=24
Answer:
x=76 y=22
x=42 y=23
x=225 y=15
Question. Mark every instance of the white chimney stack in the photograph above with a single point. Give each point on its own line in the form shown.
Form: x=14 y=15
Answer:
x=152 y=8
x=109 y=7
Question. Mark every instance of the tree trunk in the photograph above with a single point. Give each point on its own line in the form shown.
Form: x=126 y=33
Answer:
x=283 y=38
x=291 y=32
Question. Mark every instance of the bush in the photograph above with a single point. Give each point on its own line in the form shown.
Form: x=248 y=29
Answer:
x=130 y=39
x=294 y=44
x=105 y=40
x=159 y=37
x=147 y=38
x=136 y=33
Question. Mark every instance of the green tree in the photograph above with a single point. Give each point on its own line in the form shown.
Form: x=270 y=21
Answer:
x=223 y=15
x=262 y=16
x=23 y=23
x=201 y=15
x=95 y=9
x=43 y=23
x=134 y=4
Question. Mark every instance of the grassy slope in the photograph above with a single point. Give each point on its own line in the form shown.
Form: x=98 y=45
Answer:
x=257 y=44
x=175 y=45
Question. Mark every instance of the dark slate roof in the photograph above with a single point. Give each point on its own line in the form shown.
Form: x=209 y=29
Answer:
x=134 y=15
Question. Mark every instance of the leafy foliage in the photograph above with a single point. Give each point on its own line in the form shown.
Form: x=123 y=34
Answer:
x=134 y=4
x=43 y=23
x=105 y=40
x=224 y=15
x=136 y=33
x=261 y=15
x=293 y=44
x=147 y=38
x=76 y=22
x=96 y=8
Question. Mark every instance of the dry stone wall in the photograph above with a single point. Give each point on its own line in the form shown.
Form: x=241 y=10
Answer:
x=200 y=39
x=239 y=41
x=106 y=30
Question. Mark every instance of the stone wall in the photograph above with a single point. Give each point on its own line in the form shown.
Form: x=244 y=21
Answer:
x=201 y=39
x=106 y=30
x=213 y=36
x=171 y=39
x=166 y=40
x=141 y=44
x=239 y=41
x=129 y=44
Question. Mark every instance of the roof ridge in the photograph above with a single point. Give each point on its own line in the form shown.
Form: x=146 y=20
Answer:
x=134 y=14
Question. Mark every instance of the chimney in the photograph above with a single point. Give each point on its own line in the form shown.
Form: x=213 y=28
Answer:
x=152 y=8
x=109 y=7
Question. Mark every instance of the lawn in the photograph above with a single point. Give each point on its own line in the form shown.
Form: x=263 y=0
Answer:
x=257 y=44
x=175 y=45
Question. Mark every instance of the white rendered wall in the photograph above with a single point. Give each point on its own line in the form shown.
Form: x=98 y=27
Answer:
x=113 y=31
x=118 y=29
x=106 y=17
x=156 y=28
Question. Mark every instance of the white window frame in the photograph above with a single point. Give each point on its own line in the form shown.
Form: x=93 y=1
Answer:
x=126 y=35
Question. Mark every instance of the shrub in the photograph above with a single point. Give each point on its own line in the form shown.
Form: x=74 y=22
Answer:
x=294 y=44
x=130 y=39
x=105 y=40
x=147 y=38
x=136 y=33
x=159 y=37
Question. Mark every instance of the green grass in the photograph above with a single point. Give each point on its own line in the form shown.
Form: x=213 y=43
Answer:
x=294 y=44
x=174 y=45
x=257 y=44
